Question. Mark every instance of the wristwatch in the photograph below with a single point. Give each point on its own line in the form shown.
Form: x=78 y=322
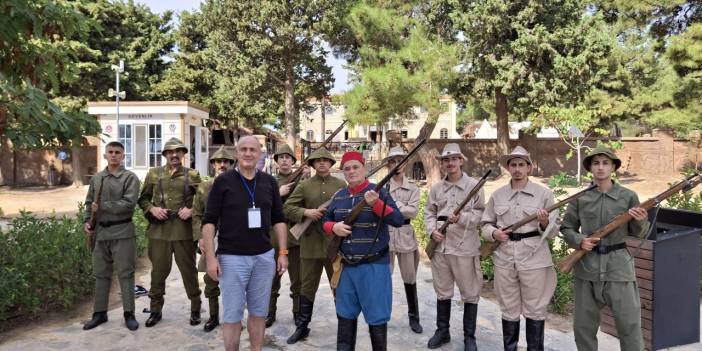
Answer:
x=282 y=252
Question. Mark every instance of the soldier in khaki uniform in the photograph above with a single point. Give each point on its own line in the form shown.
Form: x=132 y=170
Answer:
x=457 y=256
x=403 y=243
x=524 y=276
x=605 y=276
x=304 y=202
x=115 y=239
x=221 y=160
x=167 y=201
x=285 y=159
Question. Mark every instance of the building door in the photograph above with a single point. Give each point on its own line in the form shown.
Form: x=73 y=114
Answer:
x=193 y=147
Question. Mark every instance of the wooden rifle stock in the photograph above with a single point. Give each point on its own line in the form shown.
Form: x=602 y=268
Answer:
x=300 y=228
x=567 y=263
x=487 y=248
x=297 y=175
x=431 y=246
x=335 y=244
x=90 y=239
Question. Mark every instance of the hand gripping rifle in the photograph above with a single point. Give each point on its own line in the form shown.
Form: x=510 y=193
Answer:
x=90 y=239
x=297 y=175
x=487 y=248
x=300 y=228
x=335 y=244
x=431 y=246
x=567 y=263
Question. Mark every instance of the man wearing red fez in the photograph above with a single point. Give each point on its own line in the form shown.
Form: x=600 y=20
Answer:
x=365 y=284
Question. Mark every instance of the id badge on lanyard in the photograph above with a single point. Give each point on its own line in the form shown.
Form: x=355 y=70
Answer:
x=254 y=218
x=254 y=214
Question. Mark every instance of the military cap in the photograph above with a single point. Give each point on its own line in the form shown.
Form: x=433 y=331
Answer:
x=222 y=154
x=174 y=144
x=518 y=152
x=320 y=153
x=284 y=149
x=602 y=151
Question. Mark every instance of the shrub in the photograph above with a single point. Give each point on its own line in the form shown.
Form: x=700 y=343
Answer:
x=418 y=221
x=562 y=179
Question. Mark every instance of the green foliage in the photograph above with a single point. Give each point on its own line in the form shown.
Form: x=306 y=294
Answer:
x=140 y=226
x=562 y=300
x=685 y=200
x=418 y=221
x=44 y=264
x=562 y=179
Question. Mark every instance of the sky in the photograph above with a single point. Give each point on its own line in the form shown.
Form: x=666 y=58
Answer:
x=340 y=74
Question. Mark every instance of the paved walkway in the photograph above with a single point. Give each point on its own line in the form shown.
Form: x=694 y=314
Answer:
x=174 y=332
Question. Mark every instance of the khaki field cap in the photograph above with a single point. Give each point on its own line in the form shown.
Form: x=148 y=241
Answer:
x=284 y=149
x=174 y=144
x=320 y=153
x=451 y=149
x=395 y=151
x=222 y=154
x=602 y=151
x=518 y=152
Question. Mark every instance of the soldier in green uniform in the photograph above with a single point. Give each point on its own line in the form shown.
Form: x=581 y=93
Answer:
x=605 y=276
x=221 y=160
x=115 y=241
x=285 y=159
x=304 y=202
x=166 y=199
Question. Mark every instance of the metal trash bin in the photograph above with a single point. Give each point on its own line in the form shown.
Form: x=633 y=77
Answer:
x=668 y=273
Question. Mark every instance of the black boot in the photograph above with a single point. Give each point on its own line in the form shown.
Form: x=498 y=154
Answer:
x=270 y=318
x=535 y=335
x=296 y=318
x=306 y=306
x=346 y=334
x=272 y=307
x=211 y=323
x=130 y=321
x=510 y=335
x=153 y=319
x=413 y=308
x=195 y=318
x=379 y=336
x=470 y=315
x=443 y=316
x=98 y=318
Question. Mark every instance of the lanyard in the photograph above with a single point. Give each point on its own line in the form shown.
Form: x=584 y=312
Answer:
x=249 y=190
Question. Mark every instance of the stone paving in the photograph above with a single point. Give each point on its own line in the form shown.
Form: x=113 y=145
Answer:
x=174 y=332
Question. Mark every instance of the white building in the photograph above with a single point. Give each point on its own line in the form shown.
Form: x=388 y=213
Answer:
x=145 y=126
x=311 y=124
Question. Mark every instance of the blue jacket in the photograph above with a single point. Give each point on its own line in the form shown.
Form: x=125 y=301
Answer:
x=358 y=244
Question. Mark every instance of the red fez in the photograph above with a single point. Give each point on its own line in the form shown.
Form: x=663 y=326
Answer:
x=352 y=156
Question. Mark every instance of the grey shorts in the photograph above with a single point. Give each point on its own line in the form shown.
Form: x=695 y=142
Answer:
x=246 y=281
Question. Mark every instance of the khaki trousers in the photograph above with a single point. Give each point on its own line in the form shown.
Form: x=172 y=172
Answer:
x=408 y=262
x=525 y=292
x=464 y=271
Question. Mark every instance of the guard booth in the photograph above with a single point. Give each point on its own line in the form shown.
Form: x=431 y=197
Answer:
x=145 y=126
x=668 y=273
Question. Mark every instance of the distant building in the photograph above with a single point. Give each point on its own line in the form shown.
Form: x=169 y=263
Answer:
x=487 y=130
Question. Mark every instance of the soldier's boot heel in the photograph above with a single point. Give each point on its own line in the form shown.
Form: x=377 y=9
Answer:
x=270 y=318
x=470 y=316
x=130 y=321
x=443 y=316
x=413 y=308
x=510 y=335
x=346 y=334
x=379 y=336
x=98 y=318
x=211 y=323
x=535 y=335
x=153 y=319
x=195 y=318
x=302 y=331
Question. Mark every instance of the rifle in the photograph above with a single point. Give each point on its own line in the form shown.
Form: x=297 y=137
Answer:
x=431 y=246
x=487 y=248
x=335 y=244
x=300 y=228
x=297 y=175
x=567 y=263
x=90 y=239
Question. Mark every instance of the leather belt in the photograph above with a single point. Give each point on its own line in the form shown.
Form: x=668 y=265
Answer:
x=605 y=249
x=351 y=259
x=408 y=221
x=442 y=218
x=106 y=224
x=520 y=236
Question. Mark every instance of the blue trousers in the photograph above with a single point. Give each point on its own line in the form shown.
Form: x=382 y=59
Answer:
x=365 y=288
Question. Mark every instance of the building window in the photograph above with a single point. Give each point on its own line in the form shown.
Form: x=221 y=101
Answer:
x=443 y=134
x=155 y=145
x=125 y=137
x=310 y=135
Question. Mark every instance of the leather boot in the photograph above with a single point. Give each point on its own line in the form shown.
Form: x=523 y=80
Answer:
x=413 y=308
x=211 y=323
x=346 y=334
x=510 y=335
x=98 y=318
x=379 y=336
x=153 y=319
x=470 y=316
x=302 y=331
x=270 y=318
x=296 y=318
x=195 y=318
x=443 y=316
x=130 y=321
x=535 y=335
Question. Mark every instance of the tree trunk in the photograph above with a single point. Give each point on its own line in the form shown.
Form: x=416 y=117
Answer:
x=426 y=156
x=502 y=122
x=324 y=117
x=290 y=111
x=75 y=165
